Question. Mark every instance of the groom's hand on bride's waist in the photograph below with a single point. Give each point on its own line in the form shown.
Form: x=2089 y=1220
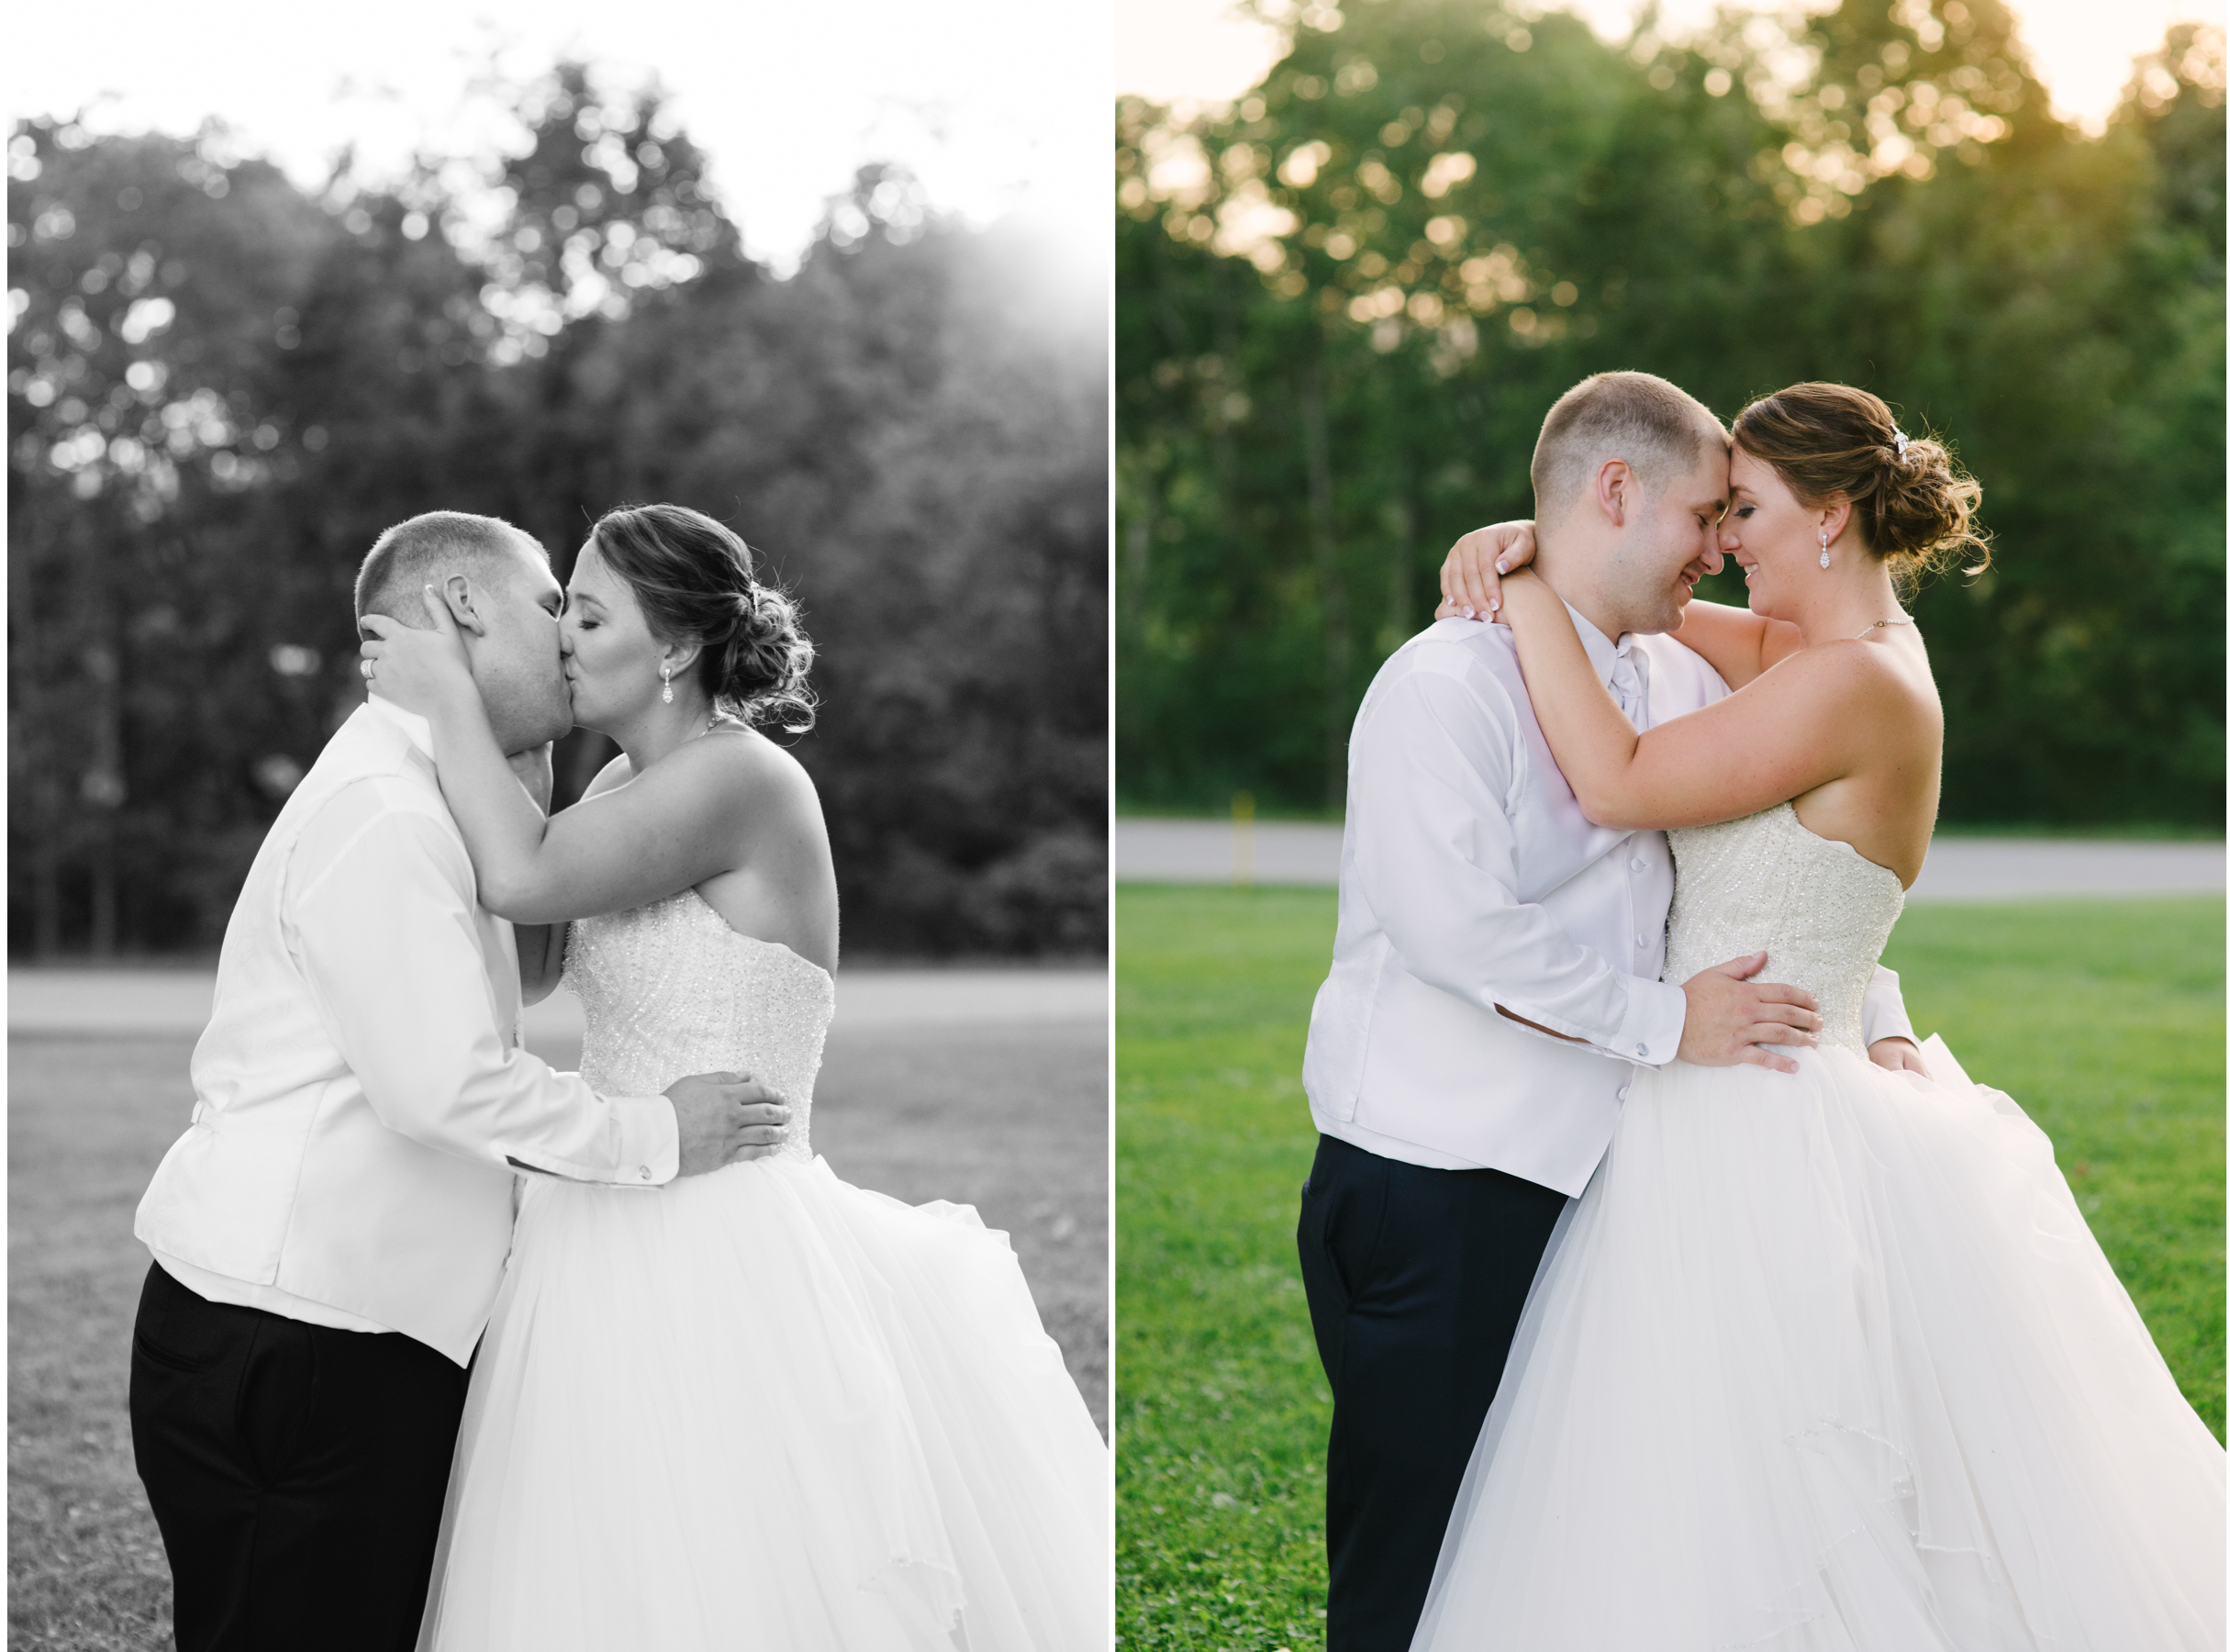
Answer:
x=1733 y=1020
x=724 y=1117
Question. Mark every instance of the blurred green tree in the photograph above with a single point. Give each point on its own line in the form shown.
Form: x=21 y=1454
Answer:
x=1345 y=303
x=221 y=388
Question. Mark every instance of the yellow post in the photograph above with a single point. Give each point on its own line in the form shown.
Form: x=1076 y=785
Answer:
x=1243 y=840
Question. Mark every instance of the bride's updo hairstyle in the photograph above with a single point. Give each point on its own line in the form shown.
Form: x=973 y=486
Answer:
x=694 y=580
x=1912 y=503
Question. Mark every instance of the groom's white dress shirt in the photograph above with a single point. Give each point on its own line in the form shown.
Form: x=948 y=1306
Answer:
x=1469 y=878
x=362 y=1101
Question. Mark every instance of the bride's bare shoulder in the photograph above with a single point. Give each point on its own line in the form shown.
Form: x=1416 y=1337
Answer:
x=733 y=772
x=1882 y=685
x=763 y=779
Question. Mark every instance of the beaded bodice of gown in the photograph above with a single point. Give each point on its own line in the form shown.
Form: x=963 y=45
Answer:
x=1819 y=909
x=670 y=990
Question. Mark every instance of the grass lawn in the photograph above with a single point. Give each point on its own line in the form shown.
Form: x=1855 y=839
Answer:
x=1012 y=1119
x=2103 y=1019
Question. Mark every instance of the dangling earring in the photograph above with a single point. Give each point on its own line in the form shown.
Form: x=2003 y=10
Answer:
x=665 y=668
x=1823 y=544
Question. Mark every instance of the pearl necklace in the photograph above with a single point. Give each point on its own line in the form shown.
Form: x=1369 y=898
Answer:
x=1899 y=620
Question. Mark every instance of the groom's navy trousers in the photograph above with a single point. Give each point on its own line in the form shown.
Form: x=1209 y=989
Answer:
x=297 y=1471
x=1416 y=1278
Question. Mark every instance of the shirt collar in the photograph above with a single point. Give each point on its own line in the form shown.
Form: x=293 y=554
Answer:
x=1602 y=654
x=416 y=729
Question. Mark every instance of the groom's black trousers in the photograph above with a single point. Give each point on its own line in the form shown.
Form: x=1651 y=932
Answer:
x=296 y=1472
x=1416 y=1278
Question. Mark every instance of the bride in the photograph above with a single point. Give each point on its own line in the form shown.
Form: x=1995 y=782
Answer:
x=1827 y=1360
x=760 y=1407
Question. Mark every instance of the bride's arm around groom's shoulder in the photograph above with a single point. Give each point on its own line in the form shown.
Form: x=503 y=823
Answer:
x=1831 y=710
x=1736 y=644
x=634 y=838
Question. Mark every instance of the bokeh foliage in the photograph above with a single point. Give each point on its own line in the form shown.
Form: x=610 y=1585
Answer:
x=222 y=387
x=1345 y=303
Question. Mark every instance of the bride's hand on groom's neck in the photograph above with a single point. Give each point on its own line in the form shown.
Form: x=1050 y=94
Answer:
x=424 y=670
x=1471 y=576
x=1513 y=590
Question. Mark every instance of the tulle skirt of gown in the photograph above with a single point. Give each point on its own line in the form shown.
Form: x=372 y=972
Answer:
x=1832 y=1363
x=764 y=1409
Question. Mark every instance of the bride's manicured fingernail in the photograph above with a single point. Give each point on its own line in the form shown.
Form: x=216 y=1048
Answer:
x=1501 y=567
x=1494 y=605
x=1469 y=614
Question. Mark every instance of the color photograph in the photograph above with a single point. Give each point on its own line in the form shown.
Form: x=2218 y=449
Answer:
x=1669 y=928
x=558 y=892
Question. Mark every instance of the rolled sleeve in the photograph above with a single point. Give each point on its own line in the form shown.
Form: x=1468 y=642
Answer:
x=387 y=935
x=1435 y=853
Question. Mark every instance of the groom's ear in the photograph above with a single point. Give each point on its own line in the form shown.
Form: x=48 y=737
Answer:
x=458 y=593
x=1616 y=491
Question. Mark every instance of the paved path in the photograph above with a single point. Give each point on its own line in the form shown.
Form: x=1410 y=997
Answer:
x=177 y=1000
x=1958 y=868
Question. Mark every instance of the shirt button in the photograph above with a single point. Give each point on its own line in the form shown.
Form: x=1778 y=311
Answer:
x=1641 y=1049
x=1638 y=864
x=1622 y=1091
x=1641 y=941
x=646 y=1172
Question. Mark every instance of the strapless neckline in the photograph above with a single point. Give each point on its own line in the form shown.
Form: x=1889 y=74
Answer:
x=671 y=987
x=1819 y=910
x=713 y=913
x=1902 y=887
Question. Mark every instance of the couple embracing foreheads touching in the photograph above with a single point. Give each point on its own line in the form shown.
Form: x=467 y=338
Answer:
x=443 y=1348
x=1672 y=1293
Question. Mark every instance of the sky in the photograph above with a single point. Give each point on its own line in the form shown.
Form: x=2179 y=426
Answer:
x=1204 y=51
x=998 y=106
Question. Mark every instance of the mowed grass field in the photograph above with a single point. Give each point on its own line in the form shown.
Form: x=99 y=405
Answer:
x=2103 y=1019
x=1010 y=1119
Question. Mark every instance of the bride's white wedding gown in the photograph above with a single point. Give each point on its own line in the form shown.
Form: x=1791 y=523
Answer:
x=1828 y=1362
x=760 y=1408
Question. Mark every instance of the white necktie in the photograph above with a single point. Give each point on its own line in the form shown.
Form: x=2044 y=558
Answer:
x=1630 y=685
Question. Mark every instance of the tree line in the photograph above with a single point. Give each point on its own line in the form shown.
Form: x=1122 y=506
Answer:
x=223 y=385
x=1345 y=302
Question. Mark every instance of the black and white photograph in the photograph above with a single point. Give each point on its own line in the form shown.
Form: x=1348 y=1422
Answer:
x=558 y=997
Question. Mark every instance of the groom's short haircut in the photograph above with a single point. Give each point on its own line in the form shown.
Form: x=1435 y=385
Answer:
x=426 y=550
x=1658 y=429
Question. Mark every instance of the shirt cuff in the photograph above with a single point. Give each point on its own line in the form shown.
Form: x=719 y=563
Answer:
x=649 y=1148
x=1882 y=1014
x=1649 y=1033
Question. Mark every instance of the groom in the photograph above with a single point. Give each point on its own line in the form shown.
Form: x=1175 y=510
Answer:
x=330 y=1233
x=1494 y=987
